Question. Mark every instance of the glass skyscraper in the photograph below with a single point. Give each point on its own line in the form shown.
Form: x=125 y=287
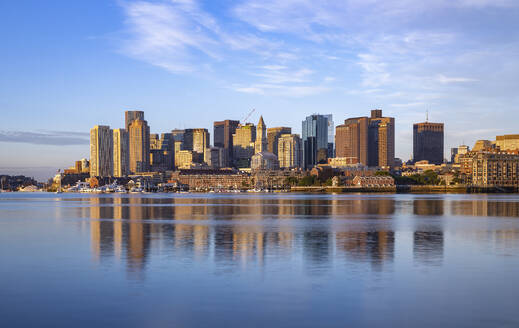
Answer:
x=315 y=137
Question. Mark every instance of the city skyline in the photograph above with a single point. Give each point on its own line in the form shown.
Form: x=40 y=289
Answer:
x=83 y=69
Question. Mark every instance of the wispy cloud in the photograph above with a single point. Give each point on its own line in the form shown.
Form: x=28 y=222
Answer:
x=54 y=138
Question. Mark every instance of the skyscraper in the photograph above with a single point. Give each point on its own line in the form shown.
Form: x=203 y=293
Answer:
x=428 y=142
x=243 y=144
x=261 y=137
x=351 y=140
x=196 y=140
x=273 y=135
x=132 y=115
x=121 y=152
x=101 y=151
x=222 y=134
x=139 y=135
x=331 y=135
x=290 y=152
x=316 y=127
x=381 y=140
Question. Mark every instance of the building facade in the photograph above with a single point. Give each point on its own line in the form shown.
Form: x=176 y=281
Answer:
x=428 y=142
x=162 y=152
x=264 y=160
x=290 y=152
x=493 y=168
x=121 y=153
x=314 y=138
x=351 y=140
x=243 y=145
x=132 y=115
x=101 y=151
x=222 y=134
x=273 y=135
x=507 y=142
x=381 y=140
x=196 y=140
x=139 y=135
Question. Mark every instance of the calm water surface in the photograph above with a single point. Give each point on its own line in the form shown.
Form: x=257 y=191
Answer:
x=278 y=260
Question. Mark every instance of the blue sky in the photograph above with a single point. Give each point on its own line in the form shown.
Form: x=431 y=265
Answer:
x=69 y=65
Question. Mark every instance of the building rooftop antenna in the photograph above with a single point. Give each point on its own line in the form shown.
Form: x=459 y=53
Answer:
x=426 y=115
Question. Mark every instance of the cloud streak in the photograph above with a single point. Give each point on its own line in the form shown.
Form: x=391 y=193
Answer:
x=51 y=138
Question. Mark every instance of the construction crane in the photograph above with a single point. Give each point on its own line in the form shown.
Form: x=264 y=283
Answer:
x=248 y=115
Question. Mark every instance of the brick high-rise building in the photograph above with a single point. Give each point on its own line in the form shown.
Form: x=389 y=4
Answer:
x=273 y=135
x=222 y=134
x=351 y=140
x=101 y=151
x=139 y=135
x=121 y=153
x=428 y=142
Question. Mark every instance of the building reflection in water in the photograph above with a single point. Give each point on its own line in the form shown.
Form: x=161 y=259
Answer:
x=428 y=236
x=242 y=231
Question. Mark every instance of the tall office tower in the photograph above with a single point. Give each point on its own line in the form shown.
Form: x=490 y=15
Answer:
x=243 y=141
x=162 y=152
x=101 y=151
x=314 y=126
x=381 y=140
x=132 y=115
x=457 y=152
x=331 y=135
x=351 y=140
x=428 y=142
x=222 y=134
x=196 y=140
x=261 y=137
x=290 y=152
x=139 y=135
x=273 y=135
x=121 y=153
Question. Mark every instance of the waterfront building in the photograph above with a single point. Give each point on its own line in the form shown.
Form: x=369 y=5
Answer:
x=495 y=168
x=132 y=115
x=121 y=152
x=264 y=160
x=351 y=140
x=273 y=135
x=216 y=178
x=261 y=137
x=223 y=138
x=101 y=151
x=428 y=142
x=507 y=142
x=243 y=144
x=381 y=140
x=290 y=152
x=85 y=164
x=314 y=138
x=196 y=140
x=139 y=136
